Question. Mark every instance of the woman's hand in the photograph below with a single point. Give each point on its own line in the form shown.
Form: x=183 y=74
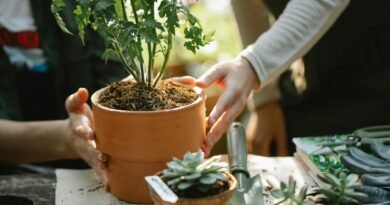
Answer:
x=238 y=79
x=82 y=135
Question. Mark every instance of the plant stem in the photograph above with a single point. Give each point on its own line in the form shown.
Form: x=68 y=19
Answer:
x=124 y=10
x=134 y=11
x=166 y=58
x=141 y=61
x=150 y=65
x=151 y=50
x=124 y=62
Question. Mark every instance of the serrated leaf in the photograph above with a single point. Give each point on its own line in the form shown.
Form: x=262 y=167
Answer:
x=151 y=23
x=84 y=3
x=61 y=23
x=82 y=15
x=108 y=53
x=57 y=5
x=104 y=4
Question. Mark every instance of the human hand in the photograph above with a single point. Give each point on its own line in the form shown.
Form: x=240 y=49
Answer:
x=266 y=124
x=82 y=137
x=238 y=79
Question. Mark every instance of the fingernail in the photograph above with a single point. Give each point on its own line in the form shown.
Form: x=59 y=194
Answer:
x=203 y=148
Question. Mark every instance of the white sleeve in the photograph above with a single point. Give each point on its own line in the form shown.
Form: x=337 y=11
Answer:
x=301 y=25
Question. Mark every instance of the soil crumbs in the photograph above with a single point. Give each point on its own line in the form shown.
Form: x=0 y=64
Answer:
x=132 y=96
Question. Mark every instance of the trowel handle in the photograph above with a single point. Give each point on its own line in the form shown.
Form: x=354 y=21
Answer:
x=237 y=149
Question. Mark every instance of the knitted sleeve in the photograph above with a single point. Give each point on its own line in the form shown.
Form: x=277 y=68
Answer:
x=300 y=26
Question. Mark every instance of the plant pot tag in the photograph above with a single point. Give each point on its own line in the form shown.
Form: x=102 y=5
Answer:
x=161 y=189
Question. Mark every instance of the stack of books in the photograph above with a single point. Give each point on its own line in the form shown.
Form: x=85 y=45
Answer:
x=316 y=156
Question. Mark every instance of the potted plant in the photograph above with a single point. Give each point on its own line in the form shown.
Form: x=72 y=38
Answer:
x=196 y=181
x=142 y=123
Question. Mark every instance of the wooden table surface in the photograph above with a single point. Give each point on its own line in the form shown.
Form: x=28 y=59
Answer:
x=40 y=189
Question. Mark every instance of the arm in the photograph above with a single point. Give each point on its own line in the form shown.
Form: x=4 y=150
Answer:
x=247 y=14
x=34 y=141
x=296 y=31
x=300 y=26
x=52 y=140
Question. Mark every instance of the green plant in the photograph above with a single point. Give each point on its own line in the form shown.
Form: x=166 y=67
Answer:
x=195 y=174
x=137 y=31
x=286 y=194
x=341 y=188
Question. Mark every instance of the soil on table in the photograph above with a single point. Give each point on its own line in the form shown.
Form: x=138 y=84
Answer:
x=132 y=96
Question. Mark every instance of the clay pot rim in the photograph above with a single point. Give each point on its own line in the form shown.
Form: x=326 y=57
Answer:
x=200 y=91
x=232 y=188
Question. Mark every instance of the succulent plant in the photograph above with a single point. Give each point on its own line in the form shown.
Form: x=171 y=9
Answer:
x=341 y=188
x=286 y=194
x=195 y=173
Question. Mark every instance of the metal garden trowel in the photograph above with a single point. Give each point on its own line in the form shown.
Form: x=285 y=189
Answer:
x=249 y=189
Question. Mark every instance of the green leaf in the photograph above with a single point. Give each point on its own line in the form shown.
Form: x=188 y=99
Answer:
x=84 y=3
x=192 y=176
x=184 y=185
x=277 y=193
x=151 y=23
x=104 y=4
x=57 y=5
x=118 y=9
x=207 y=179
x=352 y=179
x=108 y=53
x=82 y=15
x=219 y=176
x=61 y=23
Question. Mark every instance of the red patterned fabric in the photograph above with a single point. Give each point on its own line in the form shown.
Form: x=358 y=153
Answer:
x=26 y=39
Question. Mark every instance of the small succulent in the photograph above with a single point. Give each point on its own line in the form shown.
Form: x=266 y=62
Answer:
x=195 y=173
x=286 y=194
x=341 y=188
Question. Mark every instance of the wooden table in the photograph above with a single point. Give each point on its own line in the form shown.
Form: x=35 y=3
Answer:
x=41 y=188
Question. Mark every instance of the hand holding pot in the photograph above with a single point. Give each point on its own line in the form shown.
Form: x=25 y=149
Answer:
x=238 y=79
x=82 y=135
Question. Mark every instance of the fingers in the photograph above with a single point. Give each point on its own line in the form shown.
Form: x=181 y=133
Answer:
x=81 y=127
x=214 y=74
x=222 y=125
x=75 y=102
x=95 y=158
x=224 y=102
x=184 y=80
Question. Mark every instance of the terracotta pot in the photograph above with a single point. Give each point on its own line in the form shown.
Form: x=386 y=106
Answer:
x=219 y=199
x=141 y=143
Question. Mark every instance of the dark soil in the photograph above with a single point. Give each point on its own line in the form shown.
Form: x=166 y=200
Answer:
x=132 y=96
x=194 y=192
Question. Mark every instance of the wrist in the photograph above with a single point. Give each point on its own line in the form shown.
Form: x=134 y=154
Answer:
x=66 y=147
x=252 y=76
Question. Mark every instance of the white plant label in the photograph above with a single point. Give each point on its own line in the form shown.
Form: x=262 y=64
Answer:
x=161 y=189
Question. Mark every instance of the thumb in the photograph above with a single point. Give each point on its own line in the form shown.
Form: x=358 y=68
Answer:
x=74 y=103
x=215 y=73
